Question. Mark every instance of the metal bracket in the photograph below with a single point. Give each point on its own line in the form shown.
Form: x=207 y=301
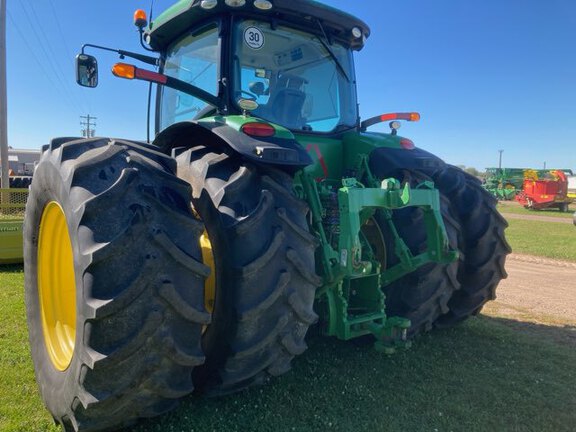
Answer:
x=352 y=290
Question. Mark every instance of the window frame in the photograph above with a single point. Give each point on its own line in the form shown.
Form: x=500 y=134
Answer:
x=219 y=25
x=236 y=38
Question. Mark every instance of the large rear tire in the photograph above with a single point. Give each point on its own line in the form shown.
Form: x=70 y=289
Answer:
x=482 y=244
x=421 y=296
x=114 y=283
x=264 y=265
x=438 y=295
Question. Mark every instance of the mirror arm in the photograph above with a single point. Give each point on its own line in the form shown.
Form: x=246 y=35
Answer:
x=143 y=58
x=141 y=30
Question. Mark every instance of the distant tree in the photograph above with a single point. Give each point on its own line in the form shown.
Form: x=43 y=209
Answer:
x=472 y=171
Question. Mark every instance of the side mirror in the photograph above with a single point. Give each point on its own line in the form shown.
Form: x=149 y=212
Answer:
x=86 y=70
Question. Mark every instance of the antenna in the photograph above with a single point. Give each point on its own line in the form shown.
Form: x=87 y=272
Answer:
x=151 y=10
x=150 y=85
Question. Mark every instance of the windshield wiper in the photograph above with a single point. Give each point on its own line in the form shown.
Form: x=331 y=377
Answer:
x=325 y=43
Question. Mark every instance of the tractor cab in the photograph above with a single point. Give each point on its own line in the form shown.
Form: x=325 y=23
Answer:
x=283 y=64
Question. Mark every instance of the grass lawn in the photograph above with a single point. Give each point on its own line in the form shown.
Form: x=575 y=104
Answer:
x=480 y=376
x=518 y=209
x=548 y=239
x=20 y=406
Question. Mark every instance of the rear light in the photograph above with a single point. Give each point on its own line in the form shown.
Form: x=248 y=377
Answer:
x=208 y=4
x=413 y=116
x=260 y=130
x=147 y=75
x=235 y=3
x=407 y=144
x=263 y=4
x=410 y=116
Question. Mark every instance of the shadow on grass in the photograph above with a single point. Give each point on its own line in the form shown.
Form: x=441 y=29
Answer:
x=561 y=334
x=488 y=374
x=11 y=268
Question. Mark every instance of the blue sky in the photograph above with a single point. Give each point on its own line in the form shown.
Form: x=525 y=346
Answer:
x=484 y=74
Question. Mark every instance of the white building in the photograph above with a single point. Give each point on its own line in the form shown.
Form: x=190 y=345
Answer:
x=22 y=162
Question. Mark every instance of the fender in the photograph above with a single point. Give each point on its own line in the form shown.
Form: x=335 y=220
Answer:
x=390 y=162
x=281 y=152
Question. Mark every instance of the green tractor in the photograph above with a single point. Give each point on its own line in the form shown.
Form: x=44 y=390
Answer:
x=199 y=261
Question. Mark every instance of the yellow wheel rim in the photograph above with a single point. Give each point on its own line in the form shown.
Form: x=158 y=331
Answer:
x=57 y=286
x=210 y=283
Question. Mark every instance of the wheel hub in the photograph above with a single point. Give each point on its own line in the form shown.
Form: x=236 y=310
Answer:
x=57 y=286
x=210 y=283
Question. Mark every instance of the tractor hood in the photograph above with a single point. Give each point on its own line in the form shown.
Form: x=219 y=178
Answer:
x=299 y=13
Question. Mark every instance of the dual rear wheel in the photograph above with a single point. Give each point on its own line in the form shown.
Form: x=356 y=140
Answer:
x=135 y=298
x=442 y=295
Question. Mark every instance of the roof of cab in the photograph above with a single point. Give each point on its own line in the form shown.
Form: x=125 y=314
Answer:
x=301 y=13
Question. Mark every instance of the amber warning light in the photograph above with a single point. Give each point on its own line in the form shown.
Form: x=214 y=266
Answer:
x=140 y=19
x=128 y=71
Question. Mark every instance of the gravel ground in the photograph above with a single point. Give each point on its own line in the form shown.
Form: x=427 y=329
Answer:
x=538 y=290
x=538 y=218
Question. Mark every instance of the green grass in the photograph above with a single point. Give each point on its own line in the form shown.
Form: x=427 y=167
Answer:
x=482 y=376
x=518 y=209
x=20 y=405
x=547 y=239
x=13 y=216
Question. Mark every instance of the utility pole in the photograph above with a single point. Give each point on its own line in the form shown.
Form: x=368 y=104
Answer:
x=5 y=181
x=500 y=159
x=87 y=132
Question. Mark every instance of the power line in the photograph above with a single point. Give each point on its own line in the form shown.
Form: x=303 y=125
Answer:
x=76 y=91
x=53 y=9
x=49 y=56
x=31 y=51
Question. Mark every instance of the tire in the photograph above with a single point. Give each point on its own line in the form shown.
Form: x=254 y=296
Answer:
x=130 y=260
x=481 y=242
x=421 y=296
x=264 y=265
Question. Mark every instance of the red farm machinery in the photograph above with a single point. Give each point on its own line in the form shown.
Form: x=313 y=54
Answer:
x=549 y=191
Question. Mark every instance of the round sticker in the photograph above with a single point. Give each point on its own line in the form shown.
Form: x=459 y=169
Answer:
x=254 y=38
